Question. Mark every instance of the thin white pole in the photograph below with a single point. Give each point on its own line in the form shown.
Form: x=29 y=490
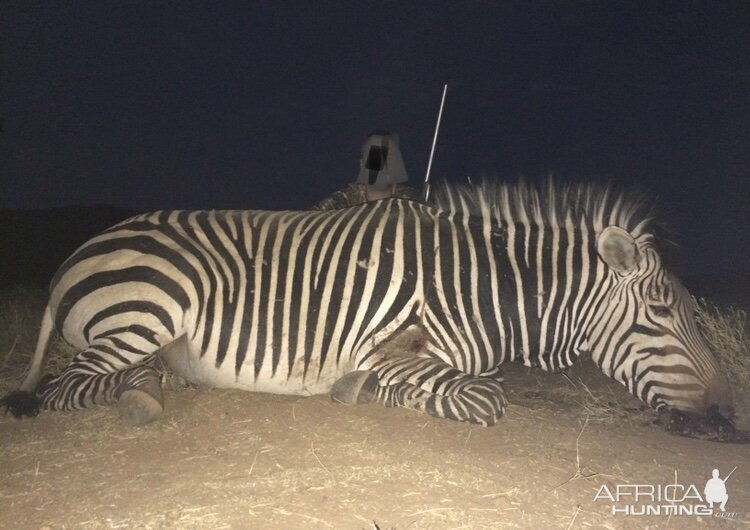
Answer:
x=730 y=474
x=426 y=186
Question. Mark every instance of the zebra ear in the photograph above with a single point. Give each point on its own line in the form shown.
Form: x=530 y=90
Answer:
x=617 y=248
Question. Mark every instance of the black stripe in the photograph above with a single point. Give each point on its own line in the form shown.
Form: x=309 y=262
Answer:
x=648 y=332
x=192 y=241
x=95 y=354
x=99 y=280
x=228 y=298
x=243 y=230
x=136 y=306
x=136 y=329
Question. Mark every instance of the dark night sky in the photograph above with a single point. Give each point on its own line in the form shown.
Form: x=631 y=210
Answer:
x=150 y=105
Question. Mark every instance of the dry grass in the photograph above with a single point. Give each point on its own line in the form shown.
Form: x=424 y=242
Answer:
x=20 y=315
x=21 y=309
x=603 y=403
x=727 y=332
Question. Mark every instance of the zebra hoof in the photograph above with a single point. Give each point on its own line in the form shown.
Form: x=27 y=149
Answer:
x=137 y=407
x=355 y=388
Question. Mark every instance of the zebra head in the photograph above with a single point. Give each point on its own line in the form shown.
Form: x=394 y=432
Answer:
x=646 y=335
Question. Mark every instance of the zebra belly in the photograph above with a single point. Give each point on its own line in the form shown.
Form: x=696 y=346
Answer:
x=189 y=364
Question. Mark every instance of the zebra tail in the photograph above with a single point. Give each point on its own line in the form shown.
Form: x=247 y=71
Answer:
x=37 y=361
x=23 y=402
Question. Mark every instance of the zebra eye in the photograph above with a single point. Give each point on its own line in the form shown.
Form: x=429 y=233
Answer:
x=660 y=311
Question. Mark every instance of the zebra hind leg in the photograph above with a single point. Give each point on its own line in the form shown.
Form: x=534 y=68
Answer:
x=135 y=391
x=103 y=375
x=140 y=398
x=138 y=395
x=427 y=385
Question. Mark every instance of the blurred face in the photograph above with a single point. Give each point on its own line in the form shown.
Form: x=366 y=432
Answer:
x=372 y=194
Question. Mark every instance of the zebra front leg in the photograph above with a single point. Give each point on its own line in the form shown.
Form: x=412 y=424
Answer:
x=355 y=388
x=428 y=385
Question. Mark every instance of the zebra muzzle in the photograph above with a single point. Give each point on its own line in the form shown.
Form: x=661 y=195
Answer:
x=712 y=427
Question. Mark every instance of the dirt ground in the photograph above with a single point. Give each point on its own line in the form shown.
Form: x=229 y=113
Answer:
x=230 y=459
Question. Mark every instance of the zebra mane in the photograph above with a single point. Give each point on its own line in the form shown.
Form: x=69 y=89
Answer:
x=548 y=204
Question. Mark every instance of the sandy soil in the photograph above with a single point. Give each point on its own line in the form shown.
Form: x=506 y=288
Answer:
x=229 y=459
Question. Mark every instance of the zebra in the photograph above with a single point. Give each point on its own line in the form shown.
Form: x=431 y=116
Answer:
x=303 y=302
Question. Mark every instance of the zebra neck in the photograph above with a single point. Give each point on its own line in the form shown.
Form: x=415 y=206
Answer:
x=547 y=280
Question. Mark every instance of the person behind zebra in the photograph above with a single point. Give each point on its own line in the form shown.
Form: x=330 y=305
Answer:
x=381 y=175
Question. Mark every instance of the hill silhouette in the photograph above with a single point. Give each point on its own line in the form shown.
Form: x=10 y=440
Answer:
x=34 y=243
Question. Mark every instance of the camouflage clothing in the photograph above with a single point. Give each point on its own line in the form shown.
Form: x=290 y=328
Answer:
x=354 y=194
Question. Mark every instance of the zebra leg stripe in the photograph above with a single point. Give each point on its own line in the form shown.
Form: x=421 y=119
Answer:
x=431 y=386
x=96 y=378
x=113 y=369
x=76 y=389
x=483 y=402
